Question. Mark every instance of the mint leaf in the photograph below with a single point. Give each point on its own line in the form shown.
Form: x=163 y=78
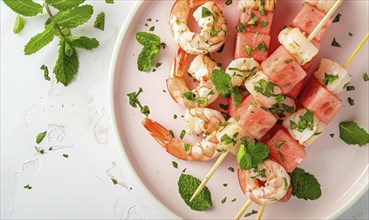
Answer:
x=187 y=186
x=46 y=72
x=24 y=7
x=222 y=82
x=236 y=97
x=83 y=42
x=66 y=66
x=251 y=154
x=74 y=17
x=351 y=133
x=205 y=12
x=40 y=137
x=64 y=4
x=147 y=39
x=109 y=1
x=304 y=185
x=18 y=25
x=146 y=57
x=37 y=42
x=100 y=21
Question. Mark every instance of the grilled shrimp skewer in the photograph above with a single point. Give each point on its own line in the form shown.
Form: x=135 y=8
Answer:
x=209 y=17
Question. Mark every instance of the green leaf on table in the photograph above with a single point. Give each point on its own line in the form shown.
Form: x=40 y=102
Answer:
x=64 y=4
x=74 y=17
x=187 y=186
x=251 y=154
x=40 y=137
x=146 y=57
x=18 y=25
x=351 y=133
x=42 y=39
x=83 y=42
x=66 y=66
x=304 y=185
x=109 y=1
x=100 y=21
x=147 y=39
x=24 y=7
x=46 y=72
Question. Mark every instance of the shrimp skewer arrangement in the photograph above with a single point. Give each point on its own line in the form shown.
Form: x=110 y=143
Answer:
x=244 y=176
x=273 y=85
x=303 y=55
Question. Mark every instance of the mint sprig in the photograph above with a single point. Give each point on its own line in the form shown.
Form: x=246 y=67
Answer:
x=223 y=84
x=352 y=134
x=187 y=186
x=71 y=14
x=304 y=185
x=251 y=154
x=151 y=43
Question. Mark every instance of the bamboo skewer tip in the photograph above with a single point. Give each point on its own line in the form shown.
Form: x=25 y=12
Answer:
x=243 y=209
x=260 y=213
x=208 y=176
x=356 y=51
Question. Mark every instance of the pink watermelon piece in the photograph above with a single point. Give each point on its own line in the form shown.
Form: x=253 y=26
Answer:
x=283 y=70
x=254 y=118
x=258 y=44
x=285 y=149
x=319 y=100
x=308 y=18
x=263 y=23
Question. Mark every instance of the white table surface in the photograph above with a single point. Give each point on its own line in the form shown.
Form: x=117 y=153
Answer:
x=77 y=120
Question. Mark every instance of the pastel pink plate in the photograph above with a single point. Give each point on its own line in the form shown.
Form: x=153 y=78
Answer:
x=342 y=170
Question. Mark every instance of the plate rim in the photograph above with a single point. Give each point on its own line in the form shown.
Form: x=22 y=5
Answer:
x=127 y=162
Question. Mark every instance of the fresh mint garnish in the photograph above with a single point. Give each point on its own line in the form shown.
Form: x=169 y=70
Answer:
x=304 y=185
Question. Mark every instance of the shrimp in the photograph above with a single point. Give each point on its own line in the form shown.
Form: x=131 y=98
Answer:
x=209 y=17
x=265 y=184
x=201 y=70
x=202 y=120
x=239 y=69
x=204 y=150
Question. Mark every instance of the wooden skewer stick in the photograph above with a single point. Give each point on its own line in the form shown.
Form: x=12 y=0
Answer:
x=260 y=213
x=356 y=51
x=210 y=173
x=243 y=209
x=325 y=19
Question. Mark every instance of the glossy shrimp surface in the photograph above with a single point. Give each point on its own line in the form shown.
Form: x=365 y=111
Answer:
x=200 y=70
x=205 y=150
x=202 y=120
x=210 y=19
x=266 y=184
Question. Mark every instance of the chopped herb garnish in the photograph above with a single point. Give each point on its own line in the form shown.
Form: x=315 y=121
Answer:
x=350 y=34
x=261 y=46
x=175 y=116
x=100 y=21
x=183 y=132
x=151 y=47
x=225 y=115
x=145 y=110
x=228 y=2
x=223 y=106
x=288 y=61
x=351 y=101
x=46 y=72
x=281 y=156
x=253 y=20
x=350 y=88
x=28 y=187
x=231 y=169
x=261 y=10
x=335 y=43
x=175 y=164
x=317 y=133
x=41 y=151
x=251 y=213
x=171 y=133
x=306 y=121
x=263 y=23
x=205 y=12
x=152 y=28
x=158 y=65
x=366 y=77
x=332 y=135
x=184 y=170
x=233 y=200
x=115 y=182
x=264 y=87
x=224 y=200
x=65 y=155
x=329 y=79
x=225 y=184
x=247 y=48
x=293 y=125
x=187 y=147
x=240 y=28
x=337 y=18
x=279 y=144
x=40 y=137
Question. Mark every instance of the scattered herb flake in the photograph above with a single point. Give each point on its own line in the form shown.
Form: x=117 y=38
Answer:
x=248 y=50
x=175 y=164
x=233 y=200
x=175 y=116
x=251 y=213
x=46 y=72
x=115 y=182
x=337 y=18
x=332 y=135
x=152 y=28
x=261 y=46
x=223 y=106
x=65 y=155
x=18 y=25
x=279 y=144
x=351 y=101
x=40 y=137
x=171 y=133
x=109 y=1
x=28 y=187
x=231 y=169
x=335 y=43
x=184 y=170
x=225 y=184
x=41 y=151
x=100 y=21
x=228 y=2
x=350 y=88
x=366 y=77
x=350 y=34
x=183 y=132
x=224 y=200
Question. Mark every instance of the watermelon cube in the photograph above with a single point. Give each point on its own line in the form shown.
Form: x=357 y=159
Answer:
x=263 y=23
x=283 y=70
x=308 y=18
x=254 y=45
x=254 y=118
x=285 y=150
x=319 y=100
